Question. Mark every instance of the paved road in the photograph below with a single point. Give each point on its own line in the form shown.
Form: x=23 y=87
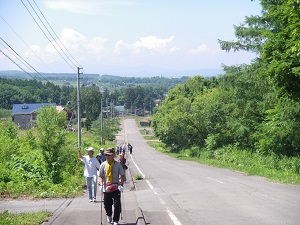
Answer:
x=175 y=192
x=180 y=192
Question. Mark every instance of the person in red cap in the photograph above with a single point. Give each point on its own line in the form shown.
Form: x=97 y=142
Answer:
x=91 y=165
x=111 y=180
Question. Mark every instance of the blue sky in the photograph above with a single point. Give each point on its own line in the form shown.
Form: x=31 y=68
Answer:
x=125 y=37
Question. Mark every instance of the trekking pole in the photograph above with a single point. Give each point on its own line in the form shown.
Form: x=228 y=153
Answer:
x=101 y=205
x=121 y=206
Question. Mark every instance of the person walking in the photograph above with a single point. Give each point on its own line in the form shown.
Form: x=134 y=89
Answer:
x=98 y=157
x=91 y=165
x=122 y=160
x=130 y=148
x=123 y=148
x=111 y=180
x=102 y=155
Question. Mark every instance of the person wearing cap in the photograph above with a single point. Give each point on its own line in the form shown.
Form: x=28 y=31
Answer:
x=122 y=160
x=111 y=180
x=91 y=165
x=102 y=155
x=98 y=157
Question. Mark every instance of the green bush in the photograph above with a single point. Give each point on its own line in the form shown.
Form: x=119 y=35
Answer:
x=5 y=113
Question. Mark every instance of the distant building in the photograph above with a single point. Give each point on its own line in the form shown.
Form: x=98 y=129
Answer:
x=120 y=110
x=24 y=115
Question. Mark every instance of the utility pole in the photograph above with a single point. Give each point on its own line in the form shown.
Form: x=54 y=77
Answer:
x=78 y=105
x=101 y=123
x=112 y=108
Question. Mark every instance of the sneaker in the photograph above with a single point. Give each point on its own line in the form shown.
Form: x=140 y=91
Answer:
x=94 y=200
x=90 y=200
x=109 y=219
x=115 y=223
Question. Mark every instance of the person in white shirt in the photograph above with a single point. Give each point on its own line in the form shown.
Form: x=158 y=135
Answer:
x=91 y=165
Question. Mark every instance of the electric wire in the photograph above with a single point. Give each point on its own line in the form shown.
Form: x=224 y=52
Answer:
x=20 y=57
x=62 y=50
x=46 y=35
x=9 y=51
x=56 y=34
x=16 y=64
x=26 y=44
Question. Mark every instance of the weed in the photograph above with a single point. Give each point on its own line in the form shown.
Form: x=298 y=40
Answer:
x=138 y=177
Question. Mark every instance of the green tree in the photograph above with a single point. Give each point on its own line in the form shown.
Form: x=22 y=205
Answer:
x=90 y=103
x=279 y=132
x=275 y=35
x=51 y=139
x=110 y=127
x=174 y=122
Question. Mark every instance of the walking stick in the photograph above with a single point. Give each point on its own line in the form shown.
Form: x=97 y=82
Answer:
x=121 y=206
x=101 y=205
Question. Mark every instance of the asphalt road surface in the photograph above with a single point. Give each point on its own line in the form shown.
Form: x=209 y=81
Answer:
x=181 y=192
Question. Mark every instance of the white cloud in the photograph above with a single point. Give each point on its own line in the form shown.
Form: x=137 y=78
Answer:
x=77 y=43
x=200 y=49
x=151 y=44
x=34 y=50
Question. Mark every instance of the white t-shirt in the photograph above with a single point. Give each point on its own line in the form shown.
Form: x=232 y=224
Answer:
x=90 y=166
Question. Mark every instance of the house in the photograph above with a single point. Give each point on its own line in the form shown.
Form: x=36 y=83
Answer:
x=24 y=115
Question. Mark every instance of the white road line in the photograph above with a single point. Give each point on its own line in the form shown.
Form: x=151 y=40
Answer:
x=143 y=175
x=172 y=216
x=221 y=182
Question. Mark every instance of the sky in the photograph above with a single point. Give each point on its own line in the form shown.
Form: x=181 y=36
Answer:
x=122 y=37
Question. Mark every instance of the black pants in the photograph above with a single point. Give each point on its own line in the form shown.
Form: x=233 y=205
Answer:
x=113 y=198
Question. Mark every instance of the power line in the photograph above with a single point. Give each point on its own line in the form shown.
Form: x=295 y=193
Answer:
x=46 y=35
x=9 y=50
x=16 y=64
x=56 y=34
x=62 y=50
x=26 y=44
x=20 y=57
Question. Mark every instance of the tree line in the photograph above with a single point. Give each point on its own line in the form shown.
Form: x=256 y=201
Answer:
x=252 y=107
x=134 y=98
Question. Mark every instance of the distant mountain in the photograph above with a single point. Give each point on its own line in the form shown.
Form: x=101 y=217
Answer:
x=143 y=73
x=150 y=71
x=21 y=74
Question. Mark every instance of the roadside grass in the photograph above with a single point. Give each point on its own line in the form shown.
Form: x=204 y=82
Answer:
x=150 y=137
x=283 y=170
x=32 y=218
x=148 y=134
x=138 y=177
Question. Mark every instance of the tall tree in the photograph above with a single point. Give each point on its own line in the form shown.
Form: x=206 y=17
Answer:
x=275 y=35
x=51 y=139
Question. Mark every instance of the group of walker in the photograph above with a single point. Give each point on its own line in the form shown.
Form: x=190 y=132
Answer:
x=111 y=175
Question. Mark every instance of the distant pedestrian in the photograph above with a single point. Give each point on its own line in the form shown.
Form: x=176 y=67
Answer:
x=130 y=148
x=91 y=165
x=111 y=180
x=123 y=148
